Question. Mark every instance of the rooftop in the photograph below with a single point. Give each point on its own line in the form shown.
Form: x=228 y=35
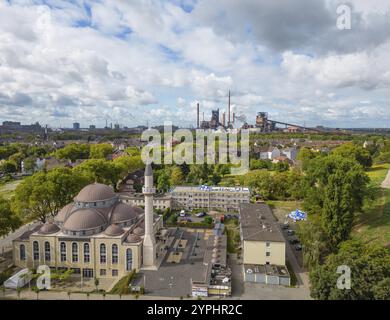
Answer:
x=258 y=223
x=209 y=189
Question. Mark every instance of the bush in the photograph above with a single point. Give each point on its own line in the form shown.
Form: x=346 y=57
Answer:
x=122 y=286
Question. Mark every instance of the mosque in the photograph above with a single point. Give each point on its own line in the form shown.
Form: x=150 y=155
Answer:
x=97 y=235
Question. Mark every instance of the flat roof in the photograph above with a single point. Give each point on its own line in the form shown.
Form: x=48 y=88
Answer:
x=209 y=189
x=258 y=223
x=268 y=269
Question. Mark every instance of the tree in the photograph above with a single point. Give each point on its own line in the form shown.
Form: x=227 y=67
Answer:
x=335 y=188
x=281 y=166
x=73 y=152
x=352 y=151
x=177 y=177
x=208 y=220
x=102 y=171
x=128 y=164
x=8 y=220
x=215 y=179
x=8 y=167
x=100 y=151
x=305 y=155
x=163 y=182
x=370 y=273
x=45 y=193
x=96 y=282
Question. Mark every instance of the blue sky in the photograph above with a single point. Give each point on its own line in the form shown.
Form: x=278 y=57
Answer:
x=130 y=62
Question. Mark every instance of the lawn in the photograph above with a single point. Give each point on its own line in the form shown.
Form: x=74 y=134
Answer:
x=7 y=189
x=282 y=208
x=373 y=225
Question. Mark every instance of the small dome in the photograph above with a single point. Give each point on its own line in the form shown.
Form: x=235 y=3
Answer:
x=95 y=192
x=85 y=219
x=139 y=231
x=48 y=228
x=114 y=230
x=63 y=214
x=123 y=212
x=132 y=238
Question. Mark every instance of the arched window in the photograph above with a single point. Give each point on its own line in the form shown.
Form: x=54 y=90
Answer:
x=114 y=253
x=86 y=253
x=63 y=251
x=47 y=251
x=75 y=252
x=22 y=252
x=36 y=250
x=103 y=253
x=129 y=259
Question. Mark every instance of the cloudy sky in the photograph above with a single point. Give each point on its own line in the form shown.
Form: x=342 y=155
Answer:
x=133 y=61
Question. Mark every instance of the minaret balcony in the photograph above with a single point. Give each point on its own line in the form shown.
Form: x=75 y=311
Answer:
x=148 y=190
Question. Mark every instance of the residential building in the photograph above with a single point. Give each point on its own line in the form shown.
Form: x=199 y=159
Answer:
x=209 y=197
x=263 y=245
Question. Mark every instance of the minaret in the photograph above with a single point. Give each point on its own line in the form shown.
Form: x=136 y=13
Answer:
x=149 y=249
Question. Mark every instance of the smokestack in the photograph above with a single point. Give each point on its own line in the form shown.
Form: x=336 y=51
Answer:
x=234 y=117
x=197 y=115
x=229 y=109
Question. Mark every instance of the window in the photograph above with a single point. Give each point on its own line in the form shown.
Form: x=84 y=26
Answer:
x=114 y=253
x=268 y=254
x=47 y=251
x=129 y=259
x=103 y=253
x=103 y=272
x=114 y=273
x=75 y=252
x=22 y=252
x=86 y=253
x=267 y=244
x=63 y=251
x=88 y=273
x=36 y=250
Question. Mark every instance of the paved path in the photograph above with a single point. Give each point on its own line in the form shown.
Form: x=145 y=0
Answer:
x=386 y=182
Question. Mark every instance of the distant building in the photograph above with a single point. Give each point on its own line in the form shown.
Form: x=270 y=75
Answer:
x=263 y=245
x=268 y=153
x=11 y=127
x=76 y=126
x=160 y=201
x=290 y=153
x=92 y=127
x=210 y=198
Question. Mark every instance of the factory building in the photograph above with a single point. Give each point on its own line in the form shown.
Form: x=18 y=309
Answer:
x=209 y=198
x=263 y=245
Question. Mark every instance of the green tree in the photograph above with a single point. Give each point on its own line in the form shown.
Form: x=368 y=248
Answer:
x=163 y=182
x=8 y=167
x=73 y=152
x=45 y=193
x=8 y=220
x=100 y=151
x=353 y=151
x=177 y=177
x=370 y=273
x=335 y=188
x=100 y=170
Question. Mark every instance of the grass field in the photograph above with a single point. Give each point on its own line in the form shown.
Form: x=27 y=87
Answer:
x=373 y=225
x=7 y=190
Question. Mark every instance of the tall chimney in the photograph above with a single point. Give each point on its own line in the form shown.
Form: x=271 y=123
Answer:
x=229 y=109
x=234 y=117
x=197 y=115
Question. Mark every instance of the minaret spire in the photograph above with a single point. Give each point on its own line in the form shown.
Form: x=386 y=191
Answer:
x=149 y=245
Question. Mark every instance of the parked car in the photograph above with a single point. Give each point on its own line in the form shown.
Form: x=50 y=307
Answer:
x=200 y=214
x=182 y=213
x=285 y=226
x=294 y=241
x=290 y=232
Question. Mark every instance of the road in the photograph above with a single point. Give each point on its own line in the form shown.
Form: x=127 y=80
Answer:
x=386 y=182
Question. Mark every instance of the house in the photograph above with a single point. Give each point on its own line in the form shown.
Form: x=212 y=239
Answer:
x=268 y=153
x=290 y=153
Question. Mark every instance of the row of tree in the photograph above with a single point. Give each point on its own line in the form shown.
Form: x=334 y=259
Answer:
x=76 y=151
x=335 y=186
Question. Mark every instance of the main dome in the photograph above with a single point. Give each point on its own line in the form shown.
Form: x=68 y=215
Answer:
x=95 y=192
x=85 y=219
x=123 y=212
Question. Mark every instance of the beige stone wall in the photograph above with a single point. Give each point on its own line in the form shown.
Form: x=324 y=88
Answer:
x=94 y=254
x=255 y=252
